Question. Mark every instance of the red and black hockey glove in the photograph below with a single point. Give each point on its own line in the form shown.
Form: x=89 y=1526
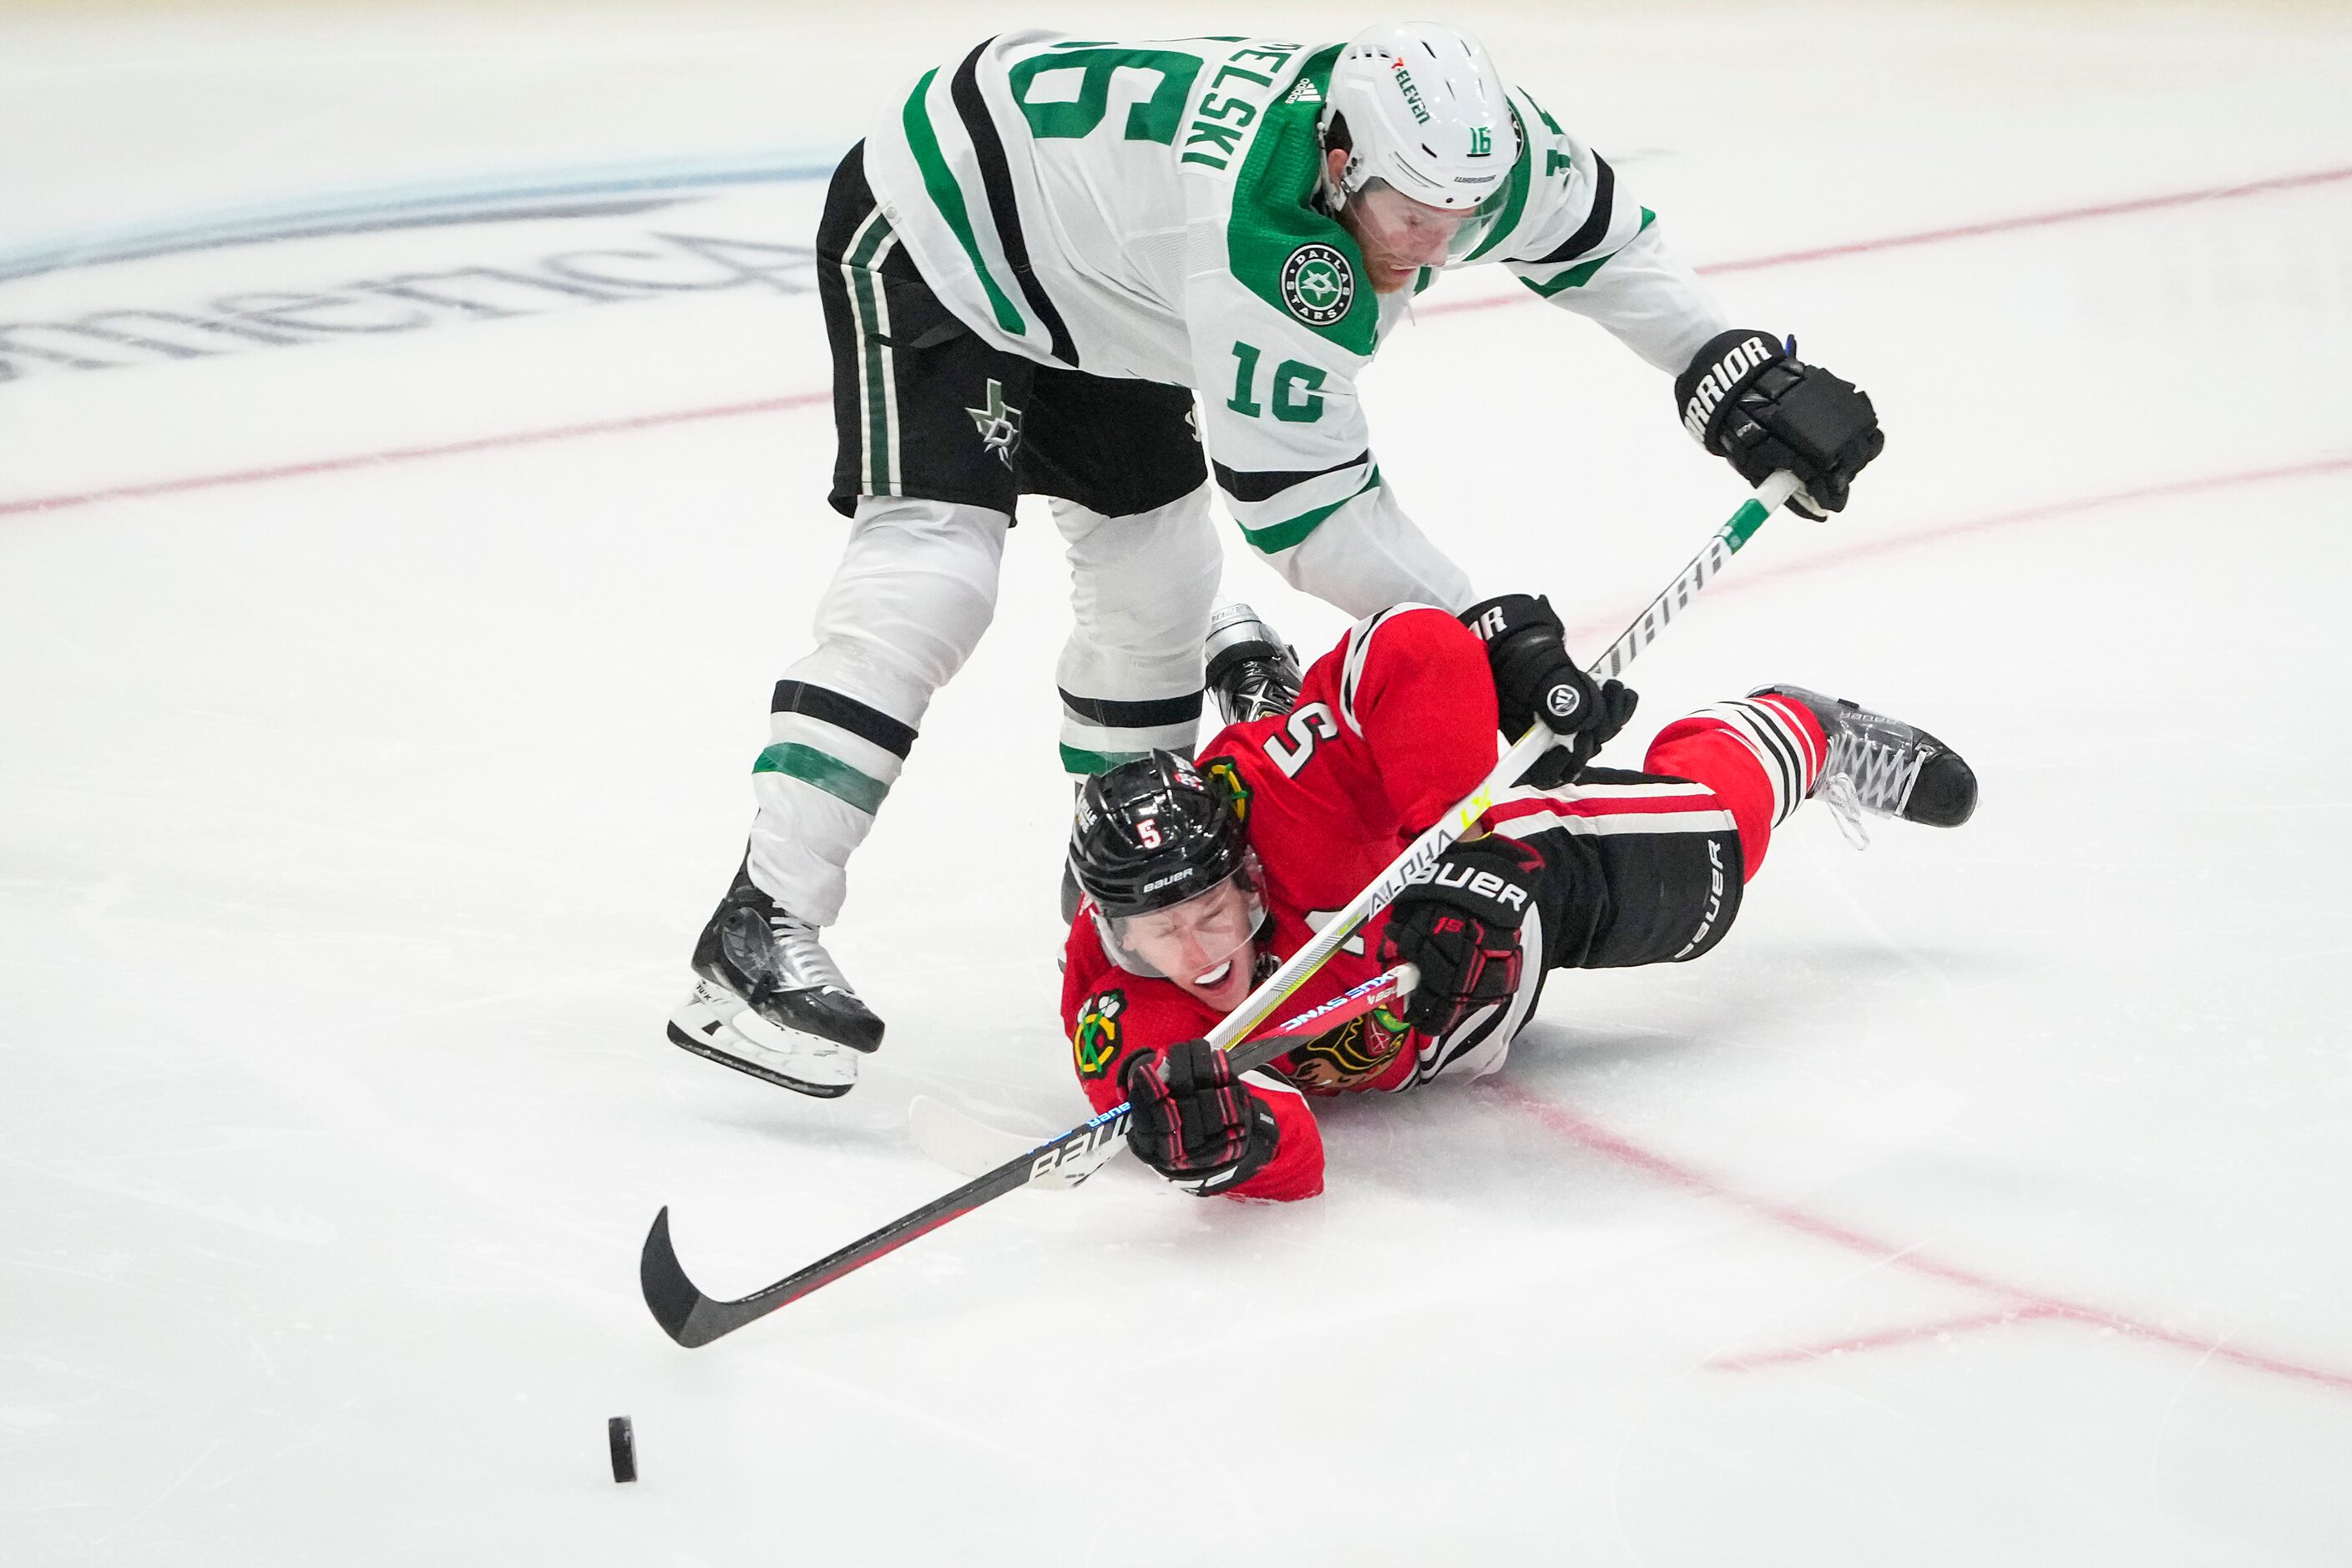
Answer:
x=1462 y=927
x=1754 y=404
x=1194 y=1122
x=1533 y=675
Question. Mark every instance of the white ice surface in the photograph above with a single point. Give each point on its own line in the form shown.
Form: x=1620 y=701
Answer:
x=354 y=827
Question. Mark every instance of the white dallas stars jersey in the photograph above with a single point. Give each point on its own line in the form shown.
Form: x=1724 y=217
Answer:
x=1147 y=210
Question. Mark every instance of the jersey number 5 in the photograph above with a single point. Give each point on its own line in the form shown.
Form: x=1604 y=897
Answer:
x=1308 y=725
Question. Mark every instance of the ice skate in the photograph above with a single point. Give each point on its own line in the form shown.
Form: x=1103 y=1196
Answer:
x=1253 y=672
x=769 y=1001
x=1888 y=768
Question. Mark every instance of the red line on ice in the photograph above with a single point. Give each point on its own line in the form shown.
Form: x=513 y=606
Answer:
x=808 y=399
x=411 y=454
x=1910 y=1333
x=1962 y=231
x=1592 y=1136
x=1896 y=543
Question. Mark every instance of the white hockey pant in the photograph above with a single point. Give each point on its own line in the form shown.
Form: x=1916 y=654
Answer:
x=915 y=589
x=1141 y=588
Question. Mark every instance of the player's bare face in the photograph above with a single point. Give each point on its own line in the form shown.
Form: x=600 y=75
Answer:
x=1397 y=236
x=1203 y=944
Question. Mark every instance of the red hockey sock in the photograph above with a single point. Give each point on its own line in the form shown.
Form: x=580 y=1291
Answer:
x=1759 y=755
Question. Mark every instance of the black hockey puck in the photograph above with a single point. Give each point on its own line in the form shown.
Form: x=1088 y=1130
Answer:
x=624 y=1441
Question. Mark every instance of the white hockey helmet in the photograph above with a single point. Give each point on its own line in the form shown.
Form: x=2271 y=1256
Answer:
x=1426 y=113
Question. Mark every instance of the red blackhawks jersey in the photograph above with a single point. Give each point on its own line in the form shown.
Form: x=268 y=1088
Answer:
x=1390 y=728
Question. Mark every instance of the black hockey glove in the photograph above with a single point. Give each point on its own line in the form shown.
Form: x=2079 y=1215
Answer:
x=1462 y=927
x=1753 y=403
x=1194 y=1121
x=1533 y=674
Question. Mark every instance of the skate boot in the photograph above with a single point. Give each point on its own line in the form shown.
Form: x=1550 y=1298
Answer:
x=1884 y=767
x=1253 y=672
x=769 y=1000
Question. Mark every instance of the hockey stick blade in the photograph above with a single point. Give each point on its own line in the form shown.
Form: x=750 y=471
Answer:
x=693 y=1319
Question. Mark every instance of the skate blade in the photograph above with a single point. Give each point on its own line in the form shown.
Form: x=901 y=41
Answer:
x=751 y=1044
x=1845 y=806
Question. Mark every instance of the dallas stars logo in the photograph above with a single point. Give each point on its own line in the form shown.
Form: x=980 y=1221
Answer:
x=999 y=425
x=1317 y=284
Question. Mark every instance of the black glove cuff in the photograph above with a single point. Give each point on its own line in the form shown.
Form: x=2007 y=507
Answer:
x=1526 y=652
x=1264 y=1138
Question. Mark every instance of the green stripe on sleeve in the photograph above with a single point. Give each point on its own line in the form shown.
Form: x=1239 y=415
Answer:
x=1279 y=536
x=829 y=773
x=948 y=196
x=1578 y=276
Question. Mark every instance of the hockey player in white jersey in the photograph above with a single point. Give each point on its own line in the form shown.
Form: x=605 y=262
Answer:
x=1038 y=256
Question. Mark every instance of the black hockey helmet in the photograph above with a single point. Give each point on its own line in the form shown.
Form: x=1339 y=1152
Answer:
x=1151 y=833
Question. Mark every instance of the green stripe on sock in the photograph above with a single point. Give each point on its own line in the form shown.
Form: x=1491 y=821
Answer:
x=1088 y=763
x=831 y=775
x=948 y=196
x=1282 y=535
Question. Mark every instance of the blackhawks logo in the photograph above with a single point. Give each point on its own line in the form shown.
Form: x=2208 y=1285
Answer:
x=1349 y=1056
x=1095 y=1044
x=1318 y=284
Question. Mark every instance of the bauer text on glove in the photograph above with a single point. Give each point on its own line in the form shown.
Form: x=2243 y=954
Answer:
x=1462 y=928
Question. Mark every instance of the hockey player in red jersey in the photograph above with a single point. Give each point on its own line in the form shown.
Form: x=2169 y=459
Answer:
x=1200 y=878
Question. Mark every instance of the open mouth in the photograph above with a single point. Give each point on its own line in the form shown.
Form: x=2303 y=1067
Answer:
x=1215 y=977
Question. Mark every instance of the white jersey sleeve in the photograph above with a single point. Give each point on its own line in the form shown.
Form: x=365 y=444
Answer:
x=1573 y=236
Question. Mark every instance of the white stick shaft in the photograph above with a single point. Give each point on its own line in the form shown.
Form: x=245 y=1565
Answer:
x=1692 y=578
x=1420 y=856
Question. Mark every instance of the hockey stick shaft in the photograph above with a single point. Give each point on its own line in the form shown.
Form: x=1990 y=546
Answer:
x=1678 y=594
x=693 y=1319
x=971 y=1147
